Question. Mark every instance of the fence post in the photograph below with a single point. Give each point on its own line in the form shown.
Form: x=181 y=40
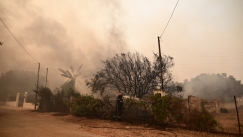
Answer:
x=188 y=99
x=237 y=115
x=25 y=97
x=17 y=100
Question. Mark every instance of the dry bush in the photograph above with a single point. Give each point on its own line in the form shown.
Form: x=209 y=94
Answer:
x=201 y=119
x=177 y=110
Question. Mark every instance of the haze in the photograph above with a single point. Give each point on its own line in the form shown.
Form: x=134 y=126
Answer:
x=203 y=36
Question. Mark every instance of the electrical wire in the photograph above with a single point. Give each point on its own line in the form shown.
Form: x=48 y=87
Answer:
x=17 y=40
x=17 y=68
x=169 y=19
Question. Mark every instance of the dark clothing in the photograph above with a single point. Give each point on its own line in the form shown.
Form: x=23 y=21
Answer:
x=119 y=107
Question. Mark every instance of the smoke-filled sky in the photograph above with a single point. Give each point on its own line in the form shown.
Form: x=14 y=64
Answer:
x=203 y=36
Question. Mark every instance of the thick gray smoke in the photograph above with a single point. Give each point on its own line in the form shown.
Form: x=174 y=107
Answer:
x=214 y=86
x=59 y=35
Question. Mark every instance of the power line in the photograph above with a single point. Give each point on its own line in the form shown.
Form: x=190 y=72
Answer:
x=17 y=68
x=170 y=18
x=214 y=55
x=17 y=40
x=187 y=60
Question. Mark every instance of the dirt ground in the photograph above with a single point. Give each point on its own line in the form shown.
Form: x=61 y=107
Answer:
x=110 y=128
x=14 y=122
x=229 y=122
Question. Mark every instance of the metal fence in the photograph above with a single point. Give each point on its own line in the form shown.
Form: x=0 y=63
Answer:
x=229 y=115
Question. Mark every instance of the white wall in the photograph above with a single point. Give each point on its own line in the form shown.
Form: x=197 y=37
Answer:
x=29 y=105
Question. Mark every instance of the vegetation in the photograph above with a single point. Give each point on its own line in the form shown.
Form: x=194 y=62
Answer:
x=177 y=110
x=87 y=105
x=154 y=109
x=46 y=99
x=160 y=106
x=132 y=74
x=202 y=120
x=224 y=110
x=60 y=102
x=167 y=110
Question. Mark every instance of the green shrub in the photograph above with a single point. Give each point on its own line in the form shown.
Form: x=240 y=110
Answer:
x=130 y=108
x=159 y=108
x=60 y=103
x=224 y=110
x=164 y=110
x=46 y=99
x=106 y=108
x=85 y=105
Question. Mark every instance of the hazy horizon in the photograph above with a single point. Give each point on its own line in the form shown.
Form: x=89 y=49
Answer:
x=203 y=36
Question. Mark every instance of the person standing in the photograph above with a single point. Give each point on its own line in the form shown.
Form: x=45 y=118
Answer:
x=119 y=107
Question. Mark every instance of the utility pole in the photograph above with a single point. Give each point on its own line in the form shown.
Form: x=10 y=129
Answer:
x=160 y=58
x=46 y=75
x=37 y=85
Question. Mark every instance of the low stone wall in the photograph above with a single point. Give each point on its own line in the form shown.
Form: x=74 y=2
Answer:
x=11 y=103
x=212 y=105
x=194 y=102
x=229 y=105
x=29 y=105
x=25 y=103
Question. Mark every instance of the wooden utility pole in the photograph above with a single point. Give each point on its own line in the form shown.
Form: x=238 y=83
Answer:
x=46 y=75
x=160 y=58
x=37 y=85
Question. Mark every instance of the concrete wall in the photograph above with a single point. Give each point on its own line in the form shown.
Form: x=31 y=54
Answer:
x=29 y=105
x=194 y=102
x=11 y=103
x=26 y=104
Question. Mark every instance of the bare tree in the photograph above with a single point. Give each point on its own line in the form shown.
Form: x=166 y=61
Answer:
x=132 y=74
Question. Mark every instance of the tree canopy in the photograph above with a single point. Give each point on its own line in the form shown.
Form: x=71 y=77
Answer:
x=132 y=74
x=214 y=86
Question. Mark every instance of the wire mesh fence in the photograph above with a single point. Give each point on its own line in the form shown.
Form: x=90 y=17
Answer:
x=224 y=112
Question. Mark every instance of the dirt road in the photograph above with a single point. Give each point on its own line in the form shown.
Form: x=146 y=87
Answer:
x=15 y=123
